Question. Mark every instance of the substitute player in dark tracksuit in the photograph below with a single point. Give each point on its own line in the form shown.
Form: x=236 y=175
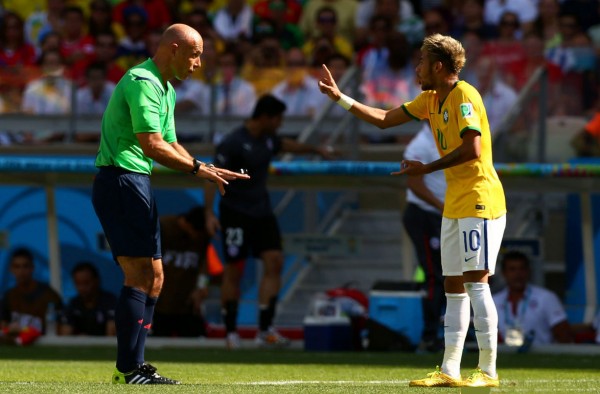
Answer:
x=138 y=127
x=247 y=223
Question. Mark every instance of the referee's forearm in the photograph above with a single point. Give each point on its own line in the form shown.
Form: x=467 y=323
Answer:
x=168 y=156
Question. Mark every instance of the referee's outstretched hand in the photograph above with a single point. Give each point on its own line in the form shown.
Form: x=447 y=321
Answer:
x=220 y=176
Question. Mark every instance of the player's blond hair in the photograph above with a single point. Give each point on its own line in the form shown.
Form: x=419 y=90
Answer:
x=446 y=50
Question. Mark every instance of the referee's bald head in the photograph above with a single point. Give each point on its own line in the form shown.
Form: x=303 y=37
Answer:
x=178 y=34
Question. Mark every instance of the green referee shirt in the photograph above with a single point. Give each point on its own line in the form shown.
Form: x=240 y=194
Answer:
x=140 y=103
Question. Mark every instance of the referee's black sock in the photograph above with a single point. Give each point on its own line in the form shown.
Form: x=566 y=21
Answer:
x=129 y=316
x=267 y=314
x=146 y=326
x=230 y=312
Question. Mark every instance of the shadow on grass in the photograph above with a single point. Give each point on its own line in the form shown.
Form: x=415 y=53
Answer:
x=297 y=357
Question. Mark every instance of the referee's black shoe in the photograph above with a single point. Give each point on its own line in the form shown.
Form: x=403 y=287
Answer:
x=144 y=374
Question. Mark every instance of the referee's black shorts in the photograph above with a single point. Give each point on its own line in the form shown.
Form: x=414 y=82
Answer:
x=125 y=205
x=244 y=235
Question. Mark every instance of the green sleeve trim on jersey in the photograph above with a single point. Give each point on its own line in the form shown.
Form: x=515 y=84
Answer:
x=409 y=114
x=477 y=129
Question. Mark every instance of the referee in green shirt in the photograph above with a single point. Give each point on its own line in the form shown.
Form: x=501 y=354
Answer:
x=138 y=128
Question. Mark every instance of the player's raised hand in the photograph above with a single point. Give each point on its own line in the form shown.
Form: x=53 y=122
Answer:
x=220 y=176
x=328 y=86
x=411 y=167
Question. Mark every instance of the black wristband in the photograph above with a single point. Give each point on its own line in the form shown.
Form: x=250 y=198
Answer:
x=197 y=164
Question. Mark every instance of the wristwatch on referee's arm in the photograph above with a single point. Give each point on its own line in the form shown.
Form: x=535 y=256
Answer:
x=198 y=164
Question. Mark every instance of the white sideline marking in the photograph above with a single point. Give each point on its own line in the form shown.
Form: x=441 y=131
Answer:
x=294 y=382
x=504 y=384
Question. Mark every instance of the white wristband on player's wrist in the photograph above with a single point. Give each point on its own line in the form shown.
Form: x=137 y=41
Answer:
x=202 y=282
x=345 y=102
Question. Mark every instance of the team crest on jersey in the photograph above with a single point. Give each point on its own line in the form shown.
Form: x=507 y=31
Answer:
x=446 y=117
x=466 y=109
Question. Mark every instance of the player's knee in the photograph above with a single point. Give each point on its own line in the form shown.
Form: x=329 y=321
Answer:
x=157 y=282
x=272 y=263
x=233 y=271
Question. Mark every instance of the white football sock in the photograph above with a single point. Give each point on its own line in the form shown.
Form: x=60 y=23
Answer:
x=456 y=324
x=486 y=325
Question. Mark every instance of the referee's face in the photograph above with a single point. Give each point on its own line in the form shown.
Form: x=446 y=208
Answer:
x=187 y=58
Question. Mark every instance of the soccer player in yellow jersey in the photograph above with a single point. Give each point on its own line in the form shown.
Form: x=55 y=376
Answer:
x=475 y=210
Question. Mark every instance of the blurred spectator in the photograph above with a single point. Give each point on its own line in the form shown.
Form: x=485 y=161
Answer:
x=93 y=97
x=187 y=6
x=92 y=310
x=106 y=52
x=51 y=93
x=42 y=22
x=23 y=8
x=412 y=27
x=210 y=62
x=473 y=45
x=264 y=65
x=233 y=94
x=100 y=20
x=525 y=10
x=395 y=82
x=152 y=39
x=132 y=48
x=344 y=10
x=25 y=306
x=326 y=26
x=199 y=20
x=14 y=51
x=366 y=11
x=471 y=20
x=286 y=11
x=234 y=20
x=184 y=243
x=575 y=49
x=585 y=11
x=576 y=57
x=50 y=42
x=77 y=48
x=373 y=56
x=587 y=142
x=192 y=96
x=518 y=73
x=290 y=36
x=299 y=91
x=156 y=11
x=528 y=310
x=547 y=23
x=507 y=49
x=437 y=20
x=322 y=51
x=498 y=97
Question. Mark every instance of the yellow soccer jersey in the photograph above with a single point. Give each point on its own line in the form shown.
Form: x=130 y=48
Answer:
x=474 y=189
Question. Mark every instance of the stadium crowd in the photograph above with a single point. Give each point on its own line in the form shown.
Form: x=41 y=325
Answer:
x=48 y=48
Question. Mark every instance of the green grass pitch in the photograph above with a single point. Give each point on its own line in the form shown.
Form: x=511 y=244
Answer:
x=53 y=369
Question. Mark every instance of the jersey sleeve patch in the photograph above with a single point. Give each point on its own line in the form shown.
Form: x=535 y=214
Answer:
x=466 y=110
